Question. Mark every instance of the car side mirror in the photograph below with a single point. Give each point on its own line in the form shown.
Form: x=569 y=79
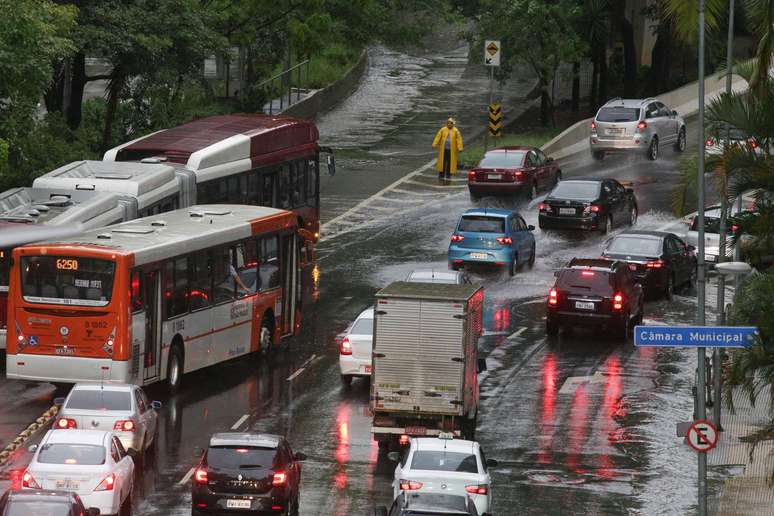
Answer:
x=394 y=456
x=32 y=448
x=92 y=511
x=629 y=190
x=549 y=159
x=481 y=365
x=530 y=228
x=674 y=113
x=156 y=404
x=59 y=401
x=556 y=274
x=491 y=463
x=300 y=456
x=331 y=161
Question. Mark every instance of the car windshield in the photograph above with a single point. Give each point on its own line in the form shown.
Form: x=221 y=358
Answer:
x=62 y=453
x=240 y=457
x=81 y=399
x=618 y=114
x=70 y=280
x=635 y=245
x=599 y=282
x=363 y=326
x=502 y=159
x=482 y=224
x=577 y=190
x=440 y=460
x=711 y=225
x=37 y=508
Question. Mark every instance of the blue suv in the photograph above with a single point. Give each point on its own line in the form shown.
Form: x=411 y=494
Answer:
x=492 y=237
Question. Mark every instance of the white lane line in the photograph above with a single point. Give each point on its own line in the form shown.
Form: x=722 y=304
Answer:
x=308 y=362
x=187 y=477
x=517 y=333
x=294 y=375
x=239 y=422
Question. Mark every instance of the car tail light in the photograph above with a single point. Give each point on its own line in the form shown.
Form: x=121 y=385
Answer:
x=107 y=483
x=457 y=238
x=65 y=423
x=553 y=297
x=642 y=125
x=654 y=264
x=29 y=481
x=734 y=228
x=752 y=143
x=543 y=206
x=591 y=208
x=279 y=479
x=409 y=485
x=593 y=125
x=200 y=476
x=345 y=348
x=472 y=175
x=480 y=489
x=505 y=240
x=618 y=300
x=517 y=174
x=125 y=426
x=709 y=142
x=403 y=440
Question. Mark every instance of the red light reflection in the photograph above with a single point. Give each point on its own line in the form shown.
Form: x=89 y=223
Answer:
x=548 y=403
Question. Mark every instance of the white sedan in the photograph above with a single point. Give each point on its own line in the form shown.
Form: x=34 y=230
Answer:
x=355 y=347
x=445 y=466
x=91 y=463
x=122 y=408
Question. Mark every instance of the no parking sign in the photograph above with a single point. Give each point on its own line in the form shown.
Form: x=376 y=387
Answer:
x=702 y=436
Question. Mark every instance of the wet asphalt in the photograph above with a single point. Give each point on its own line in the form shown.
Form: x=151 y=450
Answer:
x=584 y=425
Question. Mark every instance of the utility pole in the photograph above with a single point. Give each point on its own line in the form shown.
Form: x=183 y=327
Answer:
x=700 y=283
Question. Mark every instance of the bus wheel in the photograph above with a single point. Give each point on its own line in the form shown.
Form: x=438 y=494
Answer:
x=174 y=369
x=265 y=337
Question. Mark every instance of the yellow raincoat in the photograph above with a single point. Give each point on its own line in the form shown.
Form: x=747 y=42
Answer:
x=456 y=146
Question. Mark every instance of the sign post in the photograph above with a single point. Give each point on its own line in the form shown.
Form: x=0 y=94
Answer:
x=492 y=52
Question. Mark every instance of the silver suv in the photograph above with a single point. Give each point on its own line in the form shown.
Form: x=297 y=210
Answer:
x=635 y=124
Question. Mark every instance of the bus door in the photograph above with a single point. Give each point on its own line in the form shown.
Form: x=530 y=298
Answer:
x=289 y=283
x=152 y=354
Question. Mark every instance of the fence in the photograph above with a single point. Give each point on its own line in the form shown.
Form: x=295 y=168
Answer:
x=285 y=80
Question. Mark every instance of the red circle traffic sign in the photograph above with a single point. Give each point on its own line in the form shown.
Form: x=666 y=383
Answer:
x=702 y=436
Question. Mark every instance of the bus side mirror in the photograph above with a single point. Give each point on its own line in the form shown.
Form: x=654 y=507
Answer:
x=331 y=161
x=481 y=365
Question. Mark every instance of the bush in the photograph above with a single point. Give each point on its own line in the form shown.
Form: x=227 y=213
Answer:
x=754 y=306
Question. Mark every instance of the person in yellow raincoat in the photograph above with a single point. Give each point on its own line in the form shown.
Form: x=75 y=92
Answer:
x=449 y=142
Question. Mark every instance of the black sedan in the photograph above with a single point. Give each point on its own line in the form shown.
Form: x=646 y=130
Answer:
x=660 y=261
x=592 y=204
x=40 y=501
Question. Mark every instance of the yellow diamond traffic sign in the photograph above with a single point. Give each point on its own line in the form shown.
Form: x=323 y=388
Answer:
x=492 y=52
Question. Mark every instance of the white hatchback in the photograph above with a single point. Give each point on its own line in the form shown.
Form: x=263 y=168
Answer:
x=445 y=466
x=355 y=347
x=91 y=463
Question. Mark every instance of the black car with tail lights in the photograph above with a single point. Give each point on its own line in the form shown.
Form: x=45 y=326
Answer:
x=595 y=293
x=660 y=261
x=592 y=204
x=513 y=170
x=247 y=473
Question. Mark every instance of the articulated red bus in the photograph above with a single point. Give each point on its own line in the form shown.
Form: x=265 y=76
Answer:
x=154 y=298
x=243 y=159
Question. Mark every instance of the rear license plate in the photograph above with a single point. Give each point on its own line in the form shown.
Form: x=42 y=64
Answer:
x=70 y=485
x=632 y=267
x=615 y=131
x=416 y=430
x=367 y=369
x=494 y=176
x=582 y=305
x=479 y=256
x=566 y=211
x=238 y=504
x=65 y=350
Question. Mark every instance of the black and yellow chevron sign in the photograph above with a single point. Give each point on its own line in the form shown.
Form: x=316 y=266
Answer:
x=495 y=120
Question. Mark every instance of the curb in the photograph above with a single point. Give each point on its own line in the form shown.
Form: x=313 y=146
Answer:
x=25 y=434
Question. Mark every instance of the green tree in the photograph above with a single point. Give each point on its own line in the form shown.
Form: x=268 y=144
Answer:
x=535 y=32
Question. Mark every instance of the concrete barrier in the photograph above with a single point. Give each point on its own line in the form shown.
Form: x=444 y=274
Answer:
x=327 y=98
x=684 y=100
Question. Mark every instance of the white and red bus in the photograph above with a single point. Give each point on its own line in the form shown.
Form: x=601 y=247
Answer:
x=154 y=298
x=249 y=159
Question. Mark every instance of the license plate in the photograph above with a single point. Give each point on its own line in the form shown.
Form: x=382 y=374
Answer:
x=238 y=504
x=494 y=176
x=61 y=350
x=479 y=256
x=70 y=485
x=566 y=211
x=416 y=430
x=367 y=369
x=632 y=267
x=615 y=131
x=583 y=305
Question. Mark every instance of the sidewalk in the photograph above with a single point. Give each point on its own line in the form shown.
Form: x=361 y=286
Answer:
x=748 y=493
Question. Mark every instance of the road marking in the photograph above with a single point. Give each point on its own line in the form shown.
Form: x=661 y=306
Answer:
x=308 y=362
x=517 y=333
x=239 y=422
x=572 y=383
x=187 y=477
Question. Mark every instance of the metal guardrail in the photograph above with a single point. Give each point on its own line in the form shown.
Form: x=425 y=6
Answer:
x=285 y=78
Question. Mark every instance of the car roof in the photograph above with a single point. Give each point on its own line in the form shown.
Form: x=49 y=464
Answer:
x=590 y=180
x=435 y=443
x=43 y=494
x=599 y=264
x=653 y=235
x=497 y=212
x=434 y=274
x=630 y=103
x=245 y=439
x=508 y=148
x=96 y=437
x=90 y=386
x=368 y=313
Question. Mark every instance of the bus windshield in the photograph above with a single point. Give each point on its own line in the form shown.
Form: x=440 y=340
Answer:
x=67 y=280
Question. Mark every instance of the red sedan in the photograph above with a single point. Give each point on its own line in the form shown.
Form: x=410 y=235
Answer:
x=513 y=170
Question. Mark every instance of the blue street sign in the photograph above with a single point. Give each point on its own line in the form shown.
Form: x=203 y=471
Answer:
x=695 y=336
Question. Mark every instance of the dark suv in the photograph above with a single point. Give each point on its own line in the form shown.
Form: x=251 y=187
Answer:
x=596 y=293
x=247 y=473
x=41 y=501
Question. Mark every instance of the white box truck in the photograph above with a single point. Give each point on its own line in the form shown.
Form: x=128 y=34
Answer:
x=425 y=361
